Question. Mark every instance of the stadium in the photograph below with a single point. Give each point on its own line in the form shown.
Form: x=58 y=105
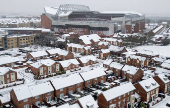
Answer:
x=80 y=19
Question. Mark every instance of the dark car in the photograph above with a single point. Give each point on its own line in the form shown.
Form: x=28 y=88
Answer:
x=168 y=104
x=161 y=95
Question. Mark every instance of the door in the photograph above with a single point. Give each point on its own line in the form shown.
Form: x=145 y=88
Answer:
x=79 y=89
x=48 y=99
x=37 y=103
x=26 y=106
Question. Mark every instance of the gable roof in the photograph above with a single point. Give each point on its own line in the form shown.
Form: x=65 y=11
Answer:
x=42 y=88
x=85 y=59
x=69 y=80
x=116 y=65
x=149 y=84
x=96 y=72
x=88 y=100
x=108 y=61
x=115 y=48
x=66 y=63
x=22 y=92
x=118 y=91
x=8 y=59
x=136 y=57
x=163 y=78
x=105 y=51
x=39 y=53
x=47 y=62
x=130 y=69
x=4 y=70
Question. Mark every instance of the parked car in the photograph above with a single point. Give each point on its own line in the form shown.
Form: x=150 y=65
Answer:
x=168 y=104
x=161 y=95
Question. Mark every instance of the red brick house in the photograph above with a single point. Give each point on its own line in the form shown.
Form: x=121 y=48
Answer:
x=66 y=85
x=103 y=45
x=8 y=61
x=71 y=64
x=33 y=95
x=148 y=89
x=113 y=41
x=104 y=54
x=45 y=67
x=157 y=61
x=146 y=53
x=106 y=63
x=164 y=83
x=60 y=54
x=137 y=61
x=118 y=97
x=93 y=77
x=87 y=60
x=87 y=50
x=8 y=75
x=131 y=73
x=116 y=50
x=37 y=55
x=77 y=48
x=116 y=68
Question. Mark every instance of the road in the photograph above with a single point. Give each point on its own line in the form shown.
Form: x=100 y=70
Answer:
x=162 y=104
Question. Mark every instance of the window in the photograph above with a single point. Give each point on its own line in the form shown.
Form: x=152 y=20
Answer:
x=7 y=75
x=37 y=103
x=23 y=39
x=61 y=89
x=124 y=72
x=128 y=99
x=124 y=95
x=84 y=64
x=116 y=69
x=110 y=101
x=25 y=100
x=70 y=92
x=54 y=66
x=11 y=43
x=119 y=104
x=21 y=43
x=44 y=68
x=65 y=68
x=78 y=84
x=101 y=76
x=128 y=93
x=119 y=97
x=48 y=93
x=61 y=95
x=36 y=97
x=95 y=78
x=131 y=92
x=114 y=99
x=8 y=81
x=20 y=39
x=70 y=86
x=26 y=106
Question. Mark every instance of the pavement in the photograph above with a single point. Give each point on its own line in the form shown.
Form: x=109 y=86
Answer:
x=163 y=103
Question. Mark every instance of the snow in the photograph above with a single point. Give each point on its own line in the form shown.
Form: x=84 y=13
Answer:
x=47 y=62
x=67 y=63
x=5 y=98
x=105 y=51
x=115 y=48
x=163 y=78
x=4 y=70
x=86 y=38
x=39 y=54
x=136 y=57
x=158 y=59
x=97 y=72
x=122 y=12
x=76 y=105
x=130 y=69
x=22 y=92
x=116 y=65
x=118 y=91
x=103 y=43
x=157 y=29
x=8 y=59
x=66 y=13
x=85 y=59
x=67 y=81
x=165 y=65
x=149 y=83
x=75 y=45
x=40 y=89
x=88 y=101
x=51 y=10
x=161 y=70
x=107 y=61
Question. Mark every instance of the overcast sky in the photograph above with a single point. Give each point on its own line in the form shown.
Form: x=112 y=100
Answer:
x=148 y=7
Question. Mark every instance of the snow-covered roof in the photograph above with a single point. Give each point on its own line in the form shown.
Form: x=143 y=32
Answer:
x=115 y=48
x=103 y=43
x=96 y=72
x=122 y=12
x=40 y=89
x=86 y=38
x=85 y=59
x=107 y=61
x=165 y=65
x=163 y=78
x=66 y=13
x=66 y=63
x=88 y=100
x=158 y=59
x=58 y=51
x=51 y=10
x=149 y=84
x=118 y=91
x=8 y=59
x=4 y=70
x=47 y=62
x=161 y=70
x=75 y=45
x=157 y=29
x=112 y=39
x=69 y=80
x=136 y=57
x=22 y=92
x=146 y=52
x=116 y=65
x=105 y=51
x=5 y=98
x=130 y=69
x=39 y=53
x=87 y=47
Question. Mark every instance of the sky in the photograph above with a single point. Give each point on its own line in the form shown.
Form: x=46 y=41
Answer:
x=36 y=7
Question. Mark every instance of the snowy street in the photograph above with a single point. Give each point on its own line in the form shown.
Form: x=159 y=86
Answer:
x=163 y=103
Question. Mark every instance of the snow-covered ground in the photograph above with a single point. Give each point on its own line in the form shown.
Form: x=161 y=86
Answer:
x=163 y=51
x=163 y=103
